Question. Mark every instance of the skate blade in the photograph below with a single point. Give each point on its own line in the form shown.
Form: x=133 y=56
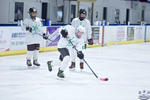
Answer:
x=81 y=70
x=72 y=69
x=33 y=67
x=49 y=70
x=58 y=78
x=36 y=65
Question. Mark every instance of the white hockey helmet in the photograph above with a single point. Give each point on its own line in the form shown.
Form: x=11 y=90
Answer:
x=68 y=28
x=81 y=29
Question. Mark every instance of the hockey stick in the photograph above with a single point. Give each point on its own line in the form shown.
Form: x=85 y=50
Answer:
x=46 y=39
x=102 y=79
x=51 y=38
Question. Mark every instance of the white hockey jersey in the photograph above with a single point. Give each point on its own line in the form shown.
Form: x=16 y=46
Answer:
x=84 y=23
x=65 y=42
x=36 y=25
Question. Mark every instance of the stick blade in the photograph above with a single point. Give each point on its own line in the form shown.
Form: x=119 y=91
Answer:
x=104 y=79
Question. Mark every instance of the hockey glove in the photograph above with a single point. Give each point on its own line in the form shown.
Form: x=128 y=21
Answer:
x=90 y=41
x=80 y=55
x=45 y=36
x=64 y=33
x=29 y=29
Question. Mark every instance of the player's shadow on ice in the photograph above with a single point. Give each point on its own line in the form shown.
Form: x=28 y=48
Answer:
x=23 y=68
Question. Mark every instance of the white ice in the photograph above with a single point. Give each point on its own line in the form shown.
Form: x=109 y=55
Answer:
x=126 y=66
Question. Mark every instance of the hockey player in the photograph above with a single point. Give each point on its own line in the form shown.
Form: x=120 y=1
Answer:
x=81 y=20
x=79 y=31
x=65 y=48
x=32 y=27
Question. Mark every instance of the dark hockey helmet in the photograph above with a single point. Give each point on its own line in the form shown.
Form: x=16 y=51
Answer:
x=82 y=11
x=32 y=10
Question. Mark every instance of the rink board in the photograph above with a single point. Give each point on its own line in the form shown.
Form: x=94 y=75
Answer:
x=17 y=52
x=13 y=42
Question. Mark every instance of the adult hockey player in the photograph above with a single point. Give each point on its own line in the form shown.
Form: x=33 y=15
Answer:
x=32 y=27
x=81 y=20
x=65 y=48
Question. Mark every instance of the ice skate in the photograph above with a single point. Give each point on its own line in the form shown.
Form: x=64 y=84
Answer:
x=49 y=64
x=81 y=66
x=60 y=74
x=29 y=64
x=35 y=62
x=72 y=67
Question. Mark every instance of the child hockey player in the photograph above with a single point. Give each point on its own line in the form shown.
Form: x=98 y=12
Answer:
x=65 y=47
x=32 y=27
x=79 y=32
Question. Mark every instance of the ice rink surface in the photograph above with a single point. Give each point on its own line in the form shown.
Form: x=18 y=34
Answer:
x=126 y=66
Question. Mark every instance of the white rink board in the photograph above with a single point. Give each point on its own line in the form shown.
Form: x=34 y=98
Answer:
x=13 y=38
x=139 y=32
x=114 y=33
x=148 y=32
x=123 y=33
x=5 y=37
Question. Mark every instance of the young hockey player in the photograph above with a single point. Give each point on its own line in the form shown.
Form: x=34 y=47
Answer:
x=32 y=27
x=79 y=32
x=65 y=48
x=76 y=22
